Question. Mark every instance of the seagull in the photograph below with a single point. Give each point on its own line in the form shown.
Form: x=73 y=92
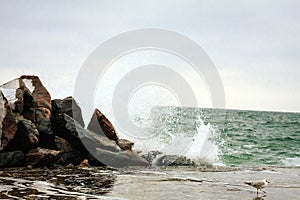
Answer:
x=259 y=185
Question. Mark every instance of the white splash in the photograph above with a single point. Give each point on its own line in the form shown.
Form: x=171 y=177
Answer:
x=201 y=148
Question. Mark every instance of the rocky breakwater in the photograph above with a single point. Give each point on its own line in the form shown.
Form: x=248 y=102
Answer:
x=37 y=131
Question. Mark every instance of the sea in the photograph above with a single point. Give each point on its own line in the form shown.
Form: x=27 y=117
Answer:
x=229 y=147
x=224 y=137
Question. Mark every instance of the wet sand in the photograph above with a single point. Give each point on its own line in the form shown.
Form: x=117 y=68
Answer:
x=194 y=184
x=155 y=183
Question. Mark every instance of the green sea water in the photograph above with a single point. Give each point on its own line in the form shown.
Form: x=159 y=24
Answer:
x=242 y=138
x=256 y=137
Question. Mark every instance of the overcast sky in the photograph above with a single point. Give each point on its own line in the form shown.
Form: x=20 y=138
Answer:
x=255 y=45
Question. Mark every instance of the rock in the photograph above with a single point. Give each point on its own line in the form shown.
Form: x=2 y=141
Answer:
x=67 y=106
x=69 y=155
x=151 y=155
x=40 y=94
x=8 y=124
x=26 y=137
x=43 y=123
x=125 y=144
x=41 y=157
x=101 y=125
x=72 y=157
x=12 y=159
x=84 y=163
x=25 y=93
x=31 y=100
x=14 y=93
x=93 y=146
x=174 y=160
x=32 y=124
x=28 y=105
x=121 y=159
x=63 y=145
x=69 y=129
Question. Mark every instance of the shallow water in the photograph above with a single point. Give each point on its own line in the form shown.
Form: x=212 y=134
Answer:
x=144 y=183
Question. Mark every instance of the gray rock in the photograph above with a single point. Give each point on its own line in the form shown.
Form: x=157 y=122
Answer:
x=12 y=159
x=174 y=160
x=69 y=107
x=116 y=159
x=82 y=139
x=151 y=156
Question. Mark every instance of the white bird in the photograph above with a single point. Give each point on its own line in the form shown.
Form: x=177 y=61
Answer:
x=259 y=185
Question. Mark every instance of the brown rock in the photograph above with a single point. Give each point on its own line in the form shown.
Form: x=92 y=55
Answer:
x=40 y=94
x=30 y=99
x=125 y=144
x=84 y=163
x=102 y=126
x=8 y=124
x=41 y=157
x=26 y=137
x=19 y=96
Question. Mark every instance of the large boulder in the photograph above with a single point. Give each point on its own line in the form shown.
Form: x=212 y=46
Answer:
x=8 y=124
x=116 y=159
x=12 y=159
x=26 y=137
x=40 y=94
x=69 y=107
x=69 y=129
x=101 y=125
x=25 y=93
x=99 y=149
x=30 y=99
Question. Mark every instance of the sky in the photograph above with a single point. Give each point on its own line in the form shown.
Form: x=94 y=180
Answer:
x=255 y=45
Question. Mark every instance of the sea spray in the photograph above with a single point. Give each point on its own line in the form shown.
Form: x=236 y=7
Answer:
x=178 y=132
x=204 y=147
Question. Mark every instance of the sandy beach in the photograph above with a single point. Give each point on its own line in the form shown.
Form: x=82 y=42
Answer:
x=155 y=183
x=195 y=184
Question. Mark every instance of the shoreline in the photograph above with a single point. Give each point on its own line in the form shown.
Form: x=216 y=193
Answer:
x=148 y=183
